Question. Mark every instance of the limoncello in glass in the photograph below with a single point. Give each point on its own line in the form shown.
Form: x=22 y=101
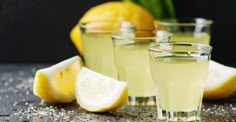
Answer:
x=133 y=65
x=172 y=75
x=98 y=53
x=202 y=37
x=195 y=30
x=179 y=71
x=131 y=57
x=97 y=44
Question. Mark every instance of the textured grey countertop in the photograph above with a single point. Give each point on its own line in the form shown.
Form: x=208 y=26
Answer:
x=18 y=104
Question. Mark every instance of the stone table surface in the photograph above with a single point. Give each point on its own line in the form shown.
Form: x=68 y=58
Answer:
x=18 y=104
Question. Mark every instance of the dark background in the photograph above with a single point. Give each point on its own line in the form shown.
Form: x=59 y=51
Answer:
x=37 y=31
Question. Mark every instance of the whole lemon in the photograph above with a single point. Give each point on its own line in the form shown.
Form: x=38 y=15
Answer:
x=116 y=10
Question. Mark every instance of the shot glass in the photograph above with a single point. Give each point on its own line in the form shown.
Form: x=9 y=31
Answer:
x=131 y=58
x=195 y=30
x=179 y=70
x=97 y=44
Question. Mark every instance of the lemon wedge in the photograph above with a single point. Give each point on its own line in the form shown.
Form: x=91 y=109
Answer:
x=56 y=84
x=221 y=81
x=98 y=93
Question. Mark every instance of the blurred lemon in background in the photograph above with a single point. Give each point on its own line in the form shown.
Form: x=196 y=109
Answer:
x=114 y=11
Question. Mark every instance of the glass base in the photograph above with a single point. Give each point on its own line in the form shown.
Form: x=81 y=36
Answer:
x=183 y=116
x=141 y=101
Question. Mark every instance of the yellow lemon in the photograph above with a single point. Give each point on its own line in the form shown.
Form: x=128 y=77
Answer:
x=56 y=84
x=115 y=10
x=221 y=81
x=98 y=93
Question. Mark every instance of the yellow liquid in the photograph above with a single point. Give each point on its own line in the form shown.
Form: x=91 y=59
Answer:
x=179 y=82
x=134 y=68
x=98 y=53
x=203 y=38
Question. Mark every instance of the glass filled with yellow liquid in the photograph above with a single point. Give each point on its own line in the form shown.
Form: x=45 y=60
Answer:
x=179 y=71
x=195 y=30
x=131 y=58
x=97 y=44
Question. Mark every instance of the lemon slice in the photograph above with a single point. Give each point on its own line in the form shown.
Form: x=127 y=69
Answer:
x=221 y=81
x=56 y=84
x=98 y=93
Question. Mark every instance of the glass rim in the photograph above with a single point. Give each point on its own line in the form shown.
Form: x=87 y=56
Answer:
x=168 y=34
x=192 y=21
x=201 y=47
x=83 y=25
